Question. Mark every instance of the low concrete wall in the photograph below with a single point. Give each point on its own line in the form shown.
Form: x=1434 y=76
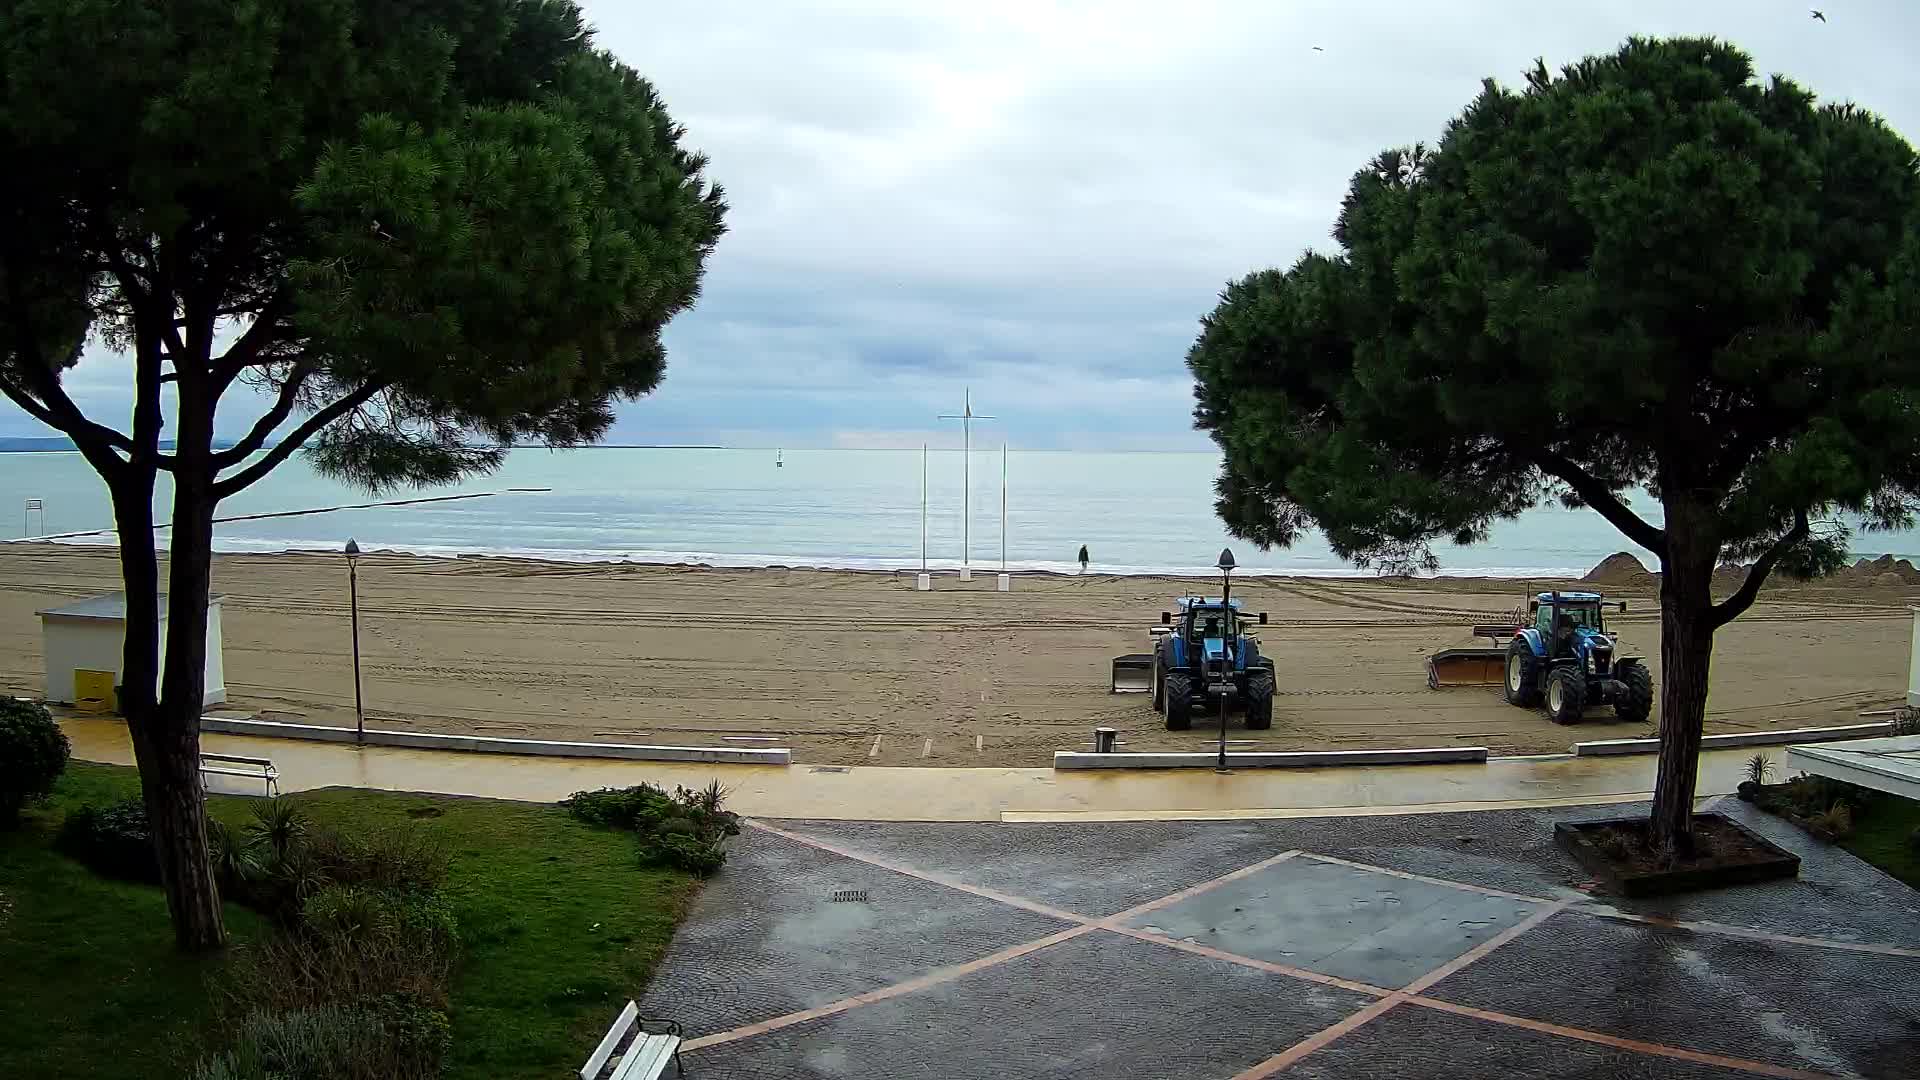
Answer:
x=1294 y=759
x=421 y=740
x=1607 y=747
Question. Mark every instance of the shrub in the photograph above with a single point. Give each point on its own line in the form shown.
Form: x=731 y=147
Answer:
x=394 y=858
x=277 y=827
x=637 y=808
x=683 y=852
x=1833 y=824
x=419 y=1031
x=423 y=919
x=390 y=1037
x=1759 y=767
x=1913 y=840
x=33 y=753
x=114 y=842
x=282 y=861
x=351 y=945
x=1906 y=721
x=686 y=830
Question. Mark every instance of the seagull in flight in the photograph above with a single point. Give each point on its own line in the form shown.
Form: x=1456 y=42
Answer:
x=1818 y=14
x=1317 y=48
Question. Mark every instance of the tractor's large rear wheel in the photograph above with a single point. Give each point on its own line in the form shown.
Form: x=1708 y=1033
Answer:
x=1260 y=699
x=1637 y=704
x=1523 y=675
x=1566 y=694
x=1178 y=701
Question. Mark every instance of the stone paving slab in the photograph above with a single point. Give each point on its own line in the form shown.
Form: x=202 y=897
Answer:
x=1338 y=920
x=1845 y=1013
x=765 y=941
x=765 y=937
x=1411 y=1043
x=1098 y=1007
x=1095 y=869
x=1105 y=867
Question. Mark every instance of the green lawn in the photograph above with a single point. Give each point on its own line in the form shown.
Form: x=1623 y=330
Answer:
x=560 y=925
x=1880 y=836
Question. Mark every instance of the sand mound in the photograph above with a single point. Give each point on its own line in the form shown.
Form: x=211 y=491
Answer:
x=1885 y=570
x=1617 y=570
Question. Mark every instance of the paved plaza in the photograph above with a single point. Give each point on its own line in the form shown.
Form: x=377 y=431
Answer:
x=1459 y=945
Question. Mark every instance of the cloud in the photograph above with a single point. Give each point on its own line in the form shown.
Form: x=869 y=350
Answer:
x=1040 y=200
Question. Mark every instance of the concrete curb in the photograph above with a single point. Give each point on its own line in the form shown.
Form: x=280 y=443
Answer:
x=1292 y=759
x=419 y=740
x=1610 y=747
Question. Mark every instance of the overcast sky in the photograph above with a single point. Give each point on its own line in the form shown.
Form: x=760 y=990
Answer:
x=1040 y=200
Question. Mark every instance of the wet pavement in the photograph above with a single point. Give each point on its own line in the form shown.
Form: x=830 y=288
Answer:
x=1436 y=945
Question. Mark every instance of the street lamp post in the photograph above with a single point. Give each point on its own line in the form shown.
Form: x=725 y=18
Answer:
x=353 y=591
x=1226 y=601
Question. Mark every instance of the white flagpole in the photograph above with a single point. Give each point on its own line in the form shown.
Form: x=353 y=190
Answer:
x=1003 y=507
x=923 y=508
x=966 y=417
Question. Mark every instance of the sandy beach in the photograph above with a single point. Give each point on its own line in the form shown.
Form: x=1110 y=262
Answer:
x=859 y=668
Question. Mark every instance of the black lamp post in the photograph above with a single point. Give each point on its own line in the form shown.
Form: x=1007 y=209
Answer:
x=353 y=591
x=1232 y=637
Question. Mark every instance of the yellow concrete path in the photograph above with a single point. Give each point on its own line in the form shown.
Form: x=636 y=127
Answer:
x=881 y=793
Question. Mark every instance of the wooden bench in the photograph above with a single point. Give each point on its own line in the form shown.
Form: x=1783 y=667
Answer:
x=253 y=768
x=631 y=1052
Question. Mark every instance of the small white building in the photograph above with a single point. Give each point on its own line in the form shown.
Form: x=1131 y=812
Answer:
x=83 y=642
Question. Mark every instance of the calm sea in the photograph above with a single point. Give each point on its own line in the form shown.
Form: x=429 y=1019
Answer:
x=1136 y=513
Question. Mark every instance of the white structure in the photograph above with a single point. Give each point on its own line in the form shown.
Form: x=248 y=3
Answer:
x=84 y=640
x=1913 y=663
x=1891 y=765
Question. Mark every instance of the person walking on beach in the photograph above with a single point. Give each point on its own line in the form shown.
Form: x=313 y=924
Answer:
x=1083 y=558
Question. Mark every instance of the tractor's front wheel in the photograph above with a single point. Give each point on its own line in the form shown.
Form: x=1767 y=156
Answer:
x=1637 y=704
x=1566 y=694
x=1260 y=699
x=1177 y=692
x=1523 y=680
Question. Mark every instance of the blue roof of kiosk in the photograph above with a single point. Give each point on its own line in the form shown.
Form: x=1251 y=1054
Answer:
x=1577 y=597
x=1205 y=602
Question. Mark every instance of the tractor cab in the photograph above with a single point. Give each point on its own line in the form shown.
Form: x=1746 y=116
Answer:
x=1571 y=624
x=1211 y=628
x=1205 y=619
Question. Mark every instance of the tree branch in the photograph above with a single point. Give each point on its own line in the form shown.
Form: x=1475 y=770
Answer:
x=273 y=418
x=94 y=441
x=245 y=352
x=245 y=478
x=1595 y=494
x=1733 y=606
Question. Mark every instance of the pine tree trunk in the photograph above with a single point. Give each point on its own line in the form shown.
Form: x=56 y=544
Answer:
x=176 y=799
x=1686 y=659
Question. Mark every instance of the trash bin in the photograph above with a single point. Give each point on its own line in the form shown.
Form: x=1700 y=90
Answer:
x=1104 y=738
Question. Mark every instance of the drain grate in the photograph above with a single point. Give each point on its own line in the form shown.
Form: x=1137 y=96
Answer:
x=850 y=896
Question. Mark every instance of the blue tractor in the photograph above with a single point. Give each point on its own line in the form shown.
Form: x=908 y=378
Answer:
x=1566 y=659
x=1202 y=656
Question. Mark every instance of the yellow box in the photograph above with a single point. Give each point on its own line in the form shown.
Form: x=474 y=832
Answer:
x=93 y=691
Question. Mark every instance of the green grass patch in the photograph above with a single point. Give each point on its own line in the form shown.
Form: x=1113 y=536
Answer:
x=1882 y=835
x=559 y=926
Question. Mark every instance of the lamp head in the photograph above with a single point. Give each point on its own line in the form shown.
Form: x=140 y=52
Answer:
x=1226 y=562
x=353 y=549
